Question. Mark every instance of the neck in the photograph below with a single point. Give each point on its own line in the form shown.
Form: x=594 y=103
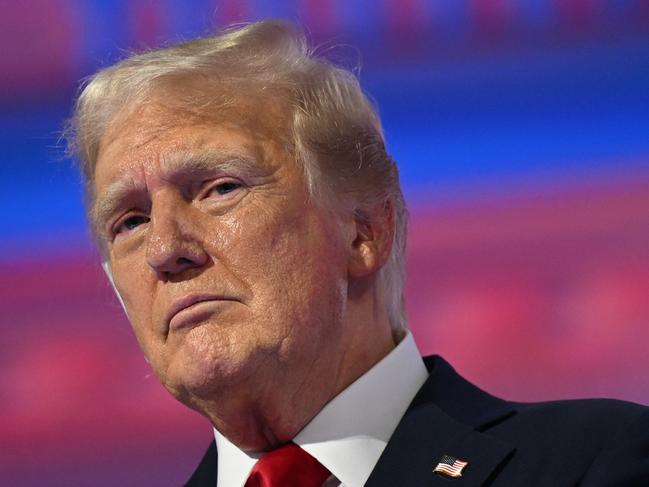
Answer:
x=266 y=419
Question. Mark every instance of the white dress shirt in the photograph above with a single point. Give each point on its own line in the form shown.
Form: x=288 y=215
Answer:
x=351 y=431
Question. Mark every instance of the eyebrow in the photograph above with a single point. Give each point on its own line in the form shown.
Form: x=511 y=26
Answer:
x=174 y=164
x=207 y=161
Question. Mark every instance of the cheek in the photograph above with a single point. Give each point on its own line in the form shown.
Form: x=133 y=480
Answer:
x=290 y=260
x=134 y=286
x=300 y=274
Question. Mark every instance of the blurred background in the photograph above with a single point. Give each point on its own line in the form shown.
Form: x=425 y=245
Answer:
x=521 y=129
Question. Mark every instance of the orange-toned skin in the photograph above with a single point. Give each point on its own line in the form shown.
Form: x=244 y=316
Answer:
x=289 y=312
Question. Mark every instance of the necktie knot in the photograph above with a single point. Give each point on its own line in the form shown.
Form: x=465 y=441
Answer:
x=287 y=466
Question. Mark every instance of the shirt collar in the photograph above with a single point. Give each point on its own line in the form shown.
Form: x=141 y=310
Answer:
x=349 y=434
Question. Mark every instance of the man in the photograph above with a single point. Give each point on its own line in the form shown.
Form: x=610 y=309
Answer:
x=253 y=226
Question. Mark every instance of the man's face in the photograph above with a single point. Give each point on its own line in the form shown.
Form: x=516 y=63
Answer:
x=234 y=281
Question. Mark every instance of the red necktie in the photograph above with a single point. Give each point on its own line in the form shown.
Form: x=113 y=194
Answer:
x=288 y=466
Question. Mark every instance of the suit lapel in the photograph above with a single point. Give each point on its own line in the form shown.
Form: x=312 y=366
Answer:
x=205 y=475
x=445 y=418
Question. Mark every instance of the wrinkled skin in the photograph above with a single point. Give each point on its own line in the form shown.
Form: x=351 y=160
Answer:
x=277 y=333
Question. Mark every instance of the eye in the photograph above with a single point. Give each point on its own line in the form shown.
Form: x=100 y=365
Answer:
x=223 y=188
x=131 y=223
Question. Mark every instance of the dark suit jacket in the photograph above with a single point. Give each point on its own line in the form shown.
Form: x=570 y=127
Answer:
x=590 y=443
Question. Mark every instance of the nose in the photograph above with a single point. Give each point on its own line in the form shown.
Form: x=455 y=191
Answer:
x=174 y=242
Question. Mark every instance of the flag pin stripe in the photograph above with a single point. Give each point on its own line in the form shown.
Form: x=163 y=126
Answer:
x=450 y=466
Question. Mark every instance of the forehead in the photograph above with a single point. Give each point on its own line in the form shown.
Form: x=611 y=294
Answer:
x=182 y=107
x=158 y=133
x=169 y=122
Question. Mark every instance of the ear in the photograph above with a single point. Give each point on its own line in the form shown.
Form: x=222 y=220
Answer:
x=372 y=243
x=109 y=274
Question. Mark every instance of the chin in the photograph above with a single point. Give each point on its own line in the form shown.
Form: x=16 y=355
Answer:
x=205 y=376
x=205 y=372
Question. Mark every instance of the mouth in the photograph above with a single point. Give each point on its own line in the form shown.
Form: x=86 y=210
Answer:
x=193 y=308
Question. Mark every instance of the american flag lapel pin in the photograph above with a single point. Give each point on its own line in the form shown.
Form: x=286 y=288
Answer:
x=450 y=466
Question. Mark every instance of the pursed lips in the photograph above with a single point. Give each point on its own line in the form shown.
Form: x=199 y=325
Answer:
x=186 y=303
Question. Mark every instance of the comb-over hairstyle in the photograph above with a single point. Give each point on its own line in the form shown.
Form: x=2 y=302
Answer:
x=333 y=131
